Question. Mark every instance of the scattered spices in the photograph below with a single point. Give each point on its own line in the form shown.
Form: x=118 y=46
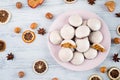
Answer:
x=19 y=5
x=116 y=40
x=28 y=36
x=21 y=74
x=117 y=14
x=17 y=30
x=3 y=16
x=103 y=69
x=40 y=66
x=2 y=45
x=49 y=15
x=91 y=2
x=114 y=73
x=55 y=78
x=115 y=58
x=41 y=31
x=110 y=5
x=10 y=56
x=33 y=25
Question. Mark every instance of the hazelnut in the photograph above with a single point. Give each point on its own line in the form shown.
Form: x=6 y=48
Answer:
x=103 y=69
x=116 y=40
x=33 y=25
x=17 y=30
x=19 y=5
x=55 y=78
x=49 y=15
x=21 y=74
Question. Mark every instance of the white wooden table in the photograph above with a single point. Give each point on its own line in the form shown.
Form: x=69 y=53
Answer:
x=26 y=54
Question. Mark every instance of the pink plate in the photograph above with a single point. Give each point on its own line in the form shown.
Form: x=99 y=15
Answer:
x=88 y=64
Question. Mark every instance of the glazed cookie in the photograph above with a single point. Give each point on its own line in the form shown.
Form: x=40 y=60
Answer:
x=90 y=54
x=28 y=36
x=98 y=47
x=96 y=37
x=67 y=32
x=82 y=32
x=55 y=37
x=75 y=20
x=94 y=24
x=78 y=58
x=65 y=54
x=40 y=66
x=82 y=44
x=5 y=16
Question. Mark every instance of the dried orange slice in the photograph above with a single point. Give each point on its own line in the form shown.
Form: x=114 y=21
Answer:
x=28 y=36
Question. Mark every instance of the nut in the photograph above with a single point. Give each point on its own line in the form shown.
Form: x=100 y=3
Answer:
x=110 y=5
x=55 y=78
x=103 y=69
x=21 y=74
x=49 y=15
x=17 y=30
x=34 y=25
x=19 y=5
x=116 y=40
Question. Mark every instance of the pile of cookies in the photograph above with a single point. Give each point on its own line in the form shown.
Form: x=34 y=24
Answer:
x=79 y=39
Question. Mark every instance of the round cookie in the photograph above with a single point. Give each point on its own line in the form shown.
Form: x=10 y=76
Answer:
x=90 y=54
x=96 y=37
x=75 y=20
x=55 y=37
x=82 y=31
x=65 y=54
x=82 y=44
x=78 y=58
x=67 y=32
x=94 y=24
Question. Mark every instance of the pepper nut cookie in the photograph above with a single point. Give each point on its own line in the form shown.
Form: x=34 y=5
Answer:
x=28 y=36
x=5 y=16
x=78 y=58
x=98 y=47
x=75 y=20
x=40 y=66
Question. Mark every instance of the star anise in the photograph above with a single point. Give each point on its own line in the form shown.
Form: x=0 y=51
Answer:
x=91 y=2
x=41 y=31
x=10 y=56
x=115 y=58
x=117 y=14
